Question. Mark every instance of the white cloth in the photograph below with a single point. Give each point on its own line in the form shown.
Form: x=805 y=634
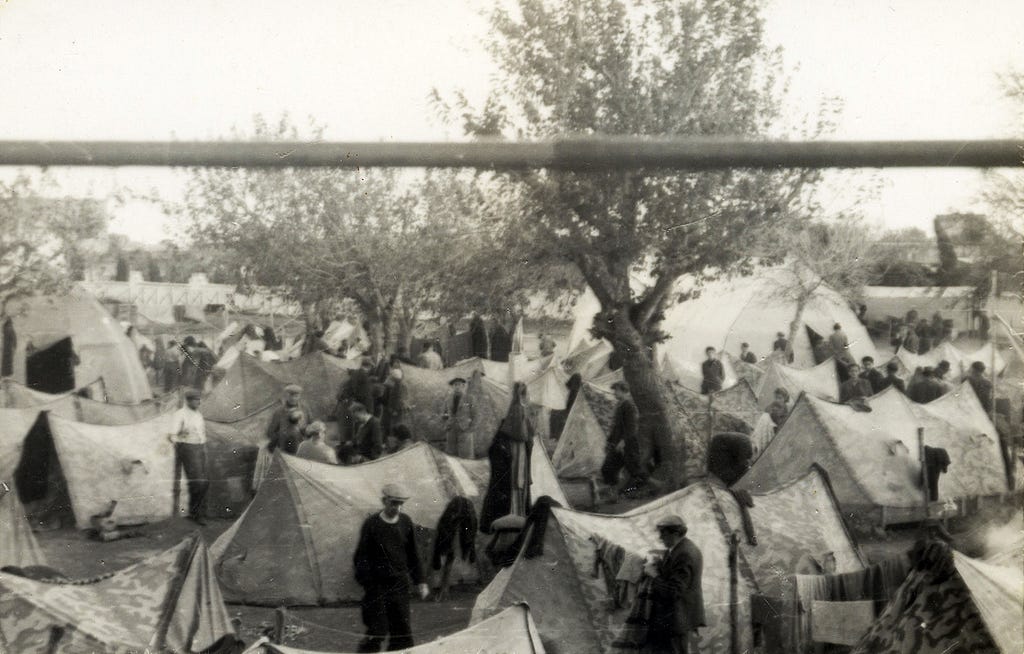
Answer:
x=316 y=451
x=188 y=426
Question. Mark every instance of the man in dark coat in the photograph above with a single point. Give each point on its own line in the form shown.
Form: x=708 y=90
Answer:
x=623 y=448
x=357 y=388
x=368 y=439
x=288 y=423
x=854 y=388
x=712 y=371
x=891 y=379
x=501 y=342
x=677 y=599
x=781 y=344
x=478 y=336
x=746 y=356
x=872 y=375
x=926 y=389
x=385 y=560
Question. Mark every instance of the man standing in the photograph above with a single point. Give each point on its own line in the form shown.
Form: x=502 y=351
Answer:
x=622 y=448
x=712 y=371
x=288 y=423
x=677 y=600
x=854 y=388
x=357 y=388
x=780 y=348
x=873 y=375
x=368 y=439
x=982 y=387
x=746 y=356
x=188 y=433
x=838 y=343
x=385 y=559
x=478 y=336
x=171 y=369
x=457 y=417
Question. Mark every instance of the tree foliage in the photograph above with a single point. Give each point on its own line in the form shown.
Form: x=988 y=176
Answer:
x=41 y=237
x=661 y=68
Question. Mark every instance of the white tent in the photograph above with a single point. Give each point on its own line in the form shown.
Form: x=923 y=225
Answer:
x=751 y=310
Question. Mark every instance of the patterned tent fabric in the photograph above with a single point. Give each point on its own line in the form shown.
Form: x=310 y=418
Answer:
x=510 y=632
x=821 y=381
x=872 y=457
x=590 y=362
x=547 y=389
x=734 y=409
x=314 y=511
x=580 y=449
x=571 y=604
x=950 y=603
x=18 y=544
x=169 y=602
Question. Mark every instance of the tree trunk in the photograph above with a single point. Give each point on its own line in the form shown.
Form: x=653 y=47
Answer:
x=652 y=398
x=794 y=325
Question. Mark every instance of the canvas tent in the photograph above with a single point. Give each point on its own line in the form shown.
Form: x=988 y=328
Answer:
x=581 y=447
x=729 y=312
x=572 y=605
x=314 y=511
x=959 y=361
x=61 y=328
x=426 y=391
x=955 y=303
x=18 y=546
x=166 y=603
x=82 y=409
x=511 y=631
x=872 y=457
x=821 y=381
x=951 y=603
x=86 y=467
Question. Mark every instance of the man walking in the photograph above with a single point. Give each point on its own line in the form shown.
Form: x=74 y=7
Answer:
x=188 y=433
x=677 y=600
x=623 y=448
x=385 y=559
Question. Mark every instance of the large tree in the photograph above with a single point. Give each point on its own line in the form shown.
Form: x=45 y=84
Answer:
x=41 y=237
x=659 y=68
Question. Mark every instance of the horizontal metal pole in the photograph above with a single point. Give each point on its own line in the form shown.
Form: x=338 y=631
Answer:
x=597 y=153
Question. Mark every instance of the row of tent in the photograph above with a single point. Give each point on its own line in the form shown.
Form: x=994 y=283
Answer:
x=172 y=602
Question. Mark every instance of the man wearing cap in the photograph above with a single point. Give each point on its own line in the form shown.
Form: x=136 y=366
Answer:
x=385 y=559
x=188 y=433
x=457 y=417
x=677 y=601
x=289 y=422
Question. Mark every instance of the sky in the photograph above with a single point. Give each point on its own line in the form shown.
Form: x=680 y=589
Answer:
x=148 y=70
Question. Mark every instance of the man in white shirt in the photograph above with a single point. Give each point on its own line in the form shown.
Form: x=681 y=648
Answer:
x=188 y=433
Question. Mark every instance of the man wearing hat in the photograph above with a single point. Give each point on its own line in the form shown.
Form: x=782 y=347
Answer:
x=289 y=422
x=677 y=601
x=188 y=433
x=385 y=559
x=457 y=417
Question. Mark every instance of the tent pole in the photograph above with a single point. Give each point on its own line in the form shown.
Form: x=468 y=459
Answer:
x=924 y=472
x=992 y=341
x=734 y=635
x=279 y=621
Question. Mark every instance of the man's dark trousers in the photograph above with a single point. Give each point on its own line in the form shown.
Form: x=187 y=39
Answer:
x=192 y=458
x=386 y=614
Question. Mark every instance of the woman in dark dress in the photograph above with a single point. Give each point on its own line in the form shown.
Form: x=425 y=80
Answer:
x=508 y=491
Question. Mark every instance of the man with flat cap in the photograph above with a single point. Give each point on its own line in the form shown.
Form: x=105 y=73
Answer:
x=188 y=433
x=289 y=422
x=457 y=417
x=677 y=601
x=385 y=560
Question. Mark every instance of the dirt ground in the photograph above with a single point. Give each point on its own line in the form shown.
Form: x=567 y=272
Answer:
x=327 y=629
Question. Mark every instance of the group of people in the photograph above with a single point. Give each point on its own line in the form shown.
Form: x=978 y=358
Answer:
x=919 y=336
